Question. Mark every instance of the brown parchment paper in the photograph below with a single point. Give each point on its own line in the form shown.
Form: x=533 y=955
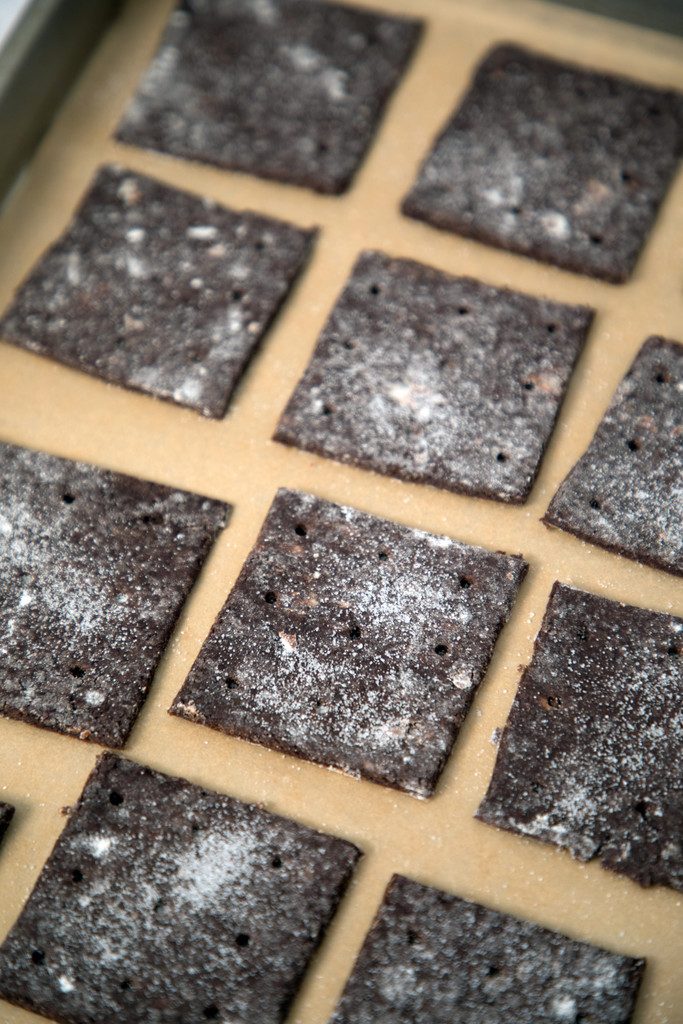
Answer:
x=44 y=405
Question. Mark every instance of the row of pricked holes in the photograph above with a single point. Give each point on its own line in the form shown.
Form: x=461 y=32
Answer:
x=68 y=498
x=528 y=385
x=270 y=597
x=209 y=1012
x=376 y=289
x=633 y=444
x=77 y=671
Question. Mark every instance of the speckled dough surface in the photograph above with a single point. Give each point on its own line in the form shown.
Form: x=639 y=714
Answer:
x=95 y=568
x=592 y=755
x=431 y=958
x=285 y=89
x=553 y=161
x=158 y=290
x=6 y=815
x=163 y=903
x=353 y=642
x=626 y=491
x=438 y=379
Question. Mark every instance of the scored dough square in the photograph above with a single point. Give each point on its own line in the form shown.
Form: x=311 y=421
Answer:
x=625 y=492
x=591 y=758
x=95 y=569
x=286 y=89
x=437 y=379
x=566 y=165
x=353 y=642
x=432 y=958
x=158 y=290
x=164 y=902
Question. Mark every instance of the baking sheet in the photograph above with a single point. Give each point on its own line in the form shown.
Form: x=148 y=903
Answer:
x=43 y=44
x=44 y=405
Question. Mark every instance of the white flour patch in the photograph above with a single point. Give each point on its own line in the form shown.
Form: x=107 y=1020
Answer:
x=556 y=224
x=214 y=865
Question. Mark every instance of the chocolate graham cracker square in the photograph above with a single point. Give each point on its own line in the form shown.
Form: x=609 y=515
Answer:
x=162 y=902
x=437 y=379
x=95 y=569
x=353 y=642
x=625 y=492
x=591 y=758
x=6 y=815
x=432 y=958
x=158 y=290
x=548 y=159
x=286 y=89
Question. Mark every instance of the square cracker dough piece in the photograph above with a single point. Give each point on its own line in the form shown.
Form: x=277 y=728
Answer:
x=164 y=902
x=437 y=379
x=626 y=492
x=95 y=568
x=158 y=290
x=432 y=958
x=591 y=758
x=553 y=161
x=291 y=90
x=353 y=642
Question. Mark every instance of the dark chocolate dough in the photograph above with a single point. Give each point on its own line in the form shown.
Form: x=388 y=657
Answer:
x=6 y=815
x=438 y=379
x=286 y=89
x=626 y=492
x=591 y=758
x=553 y=161
x=158 y=290
x=95 y=568
x=431 y=958
x=163 y=903
x=353 y=642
